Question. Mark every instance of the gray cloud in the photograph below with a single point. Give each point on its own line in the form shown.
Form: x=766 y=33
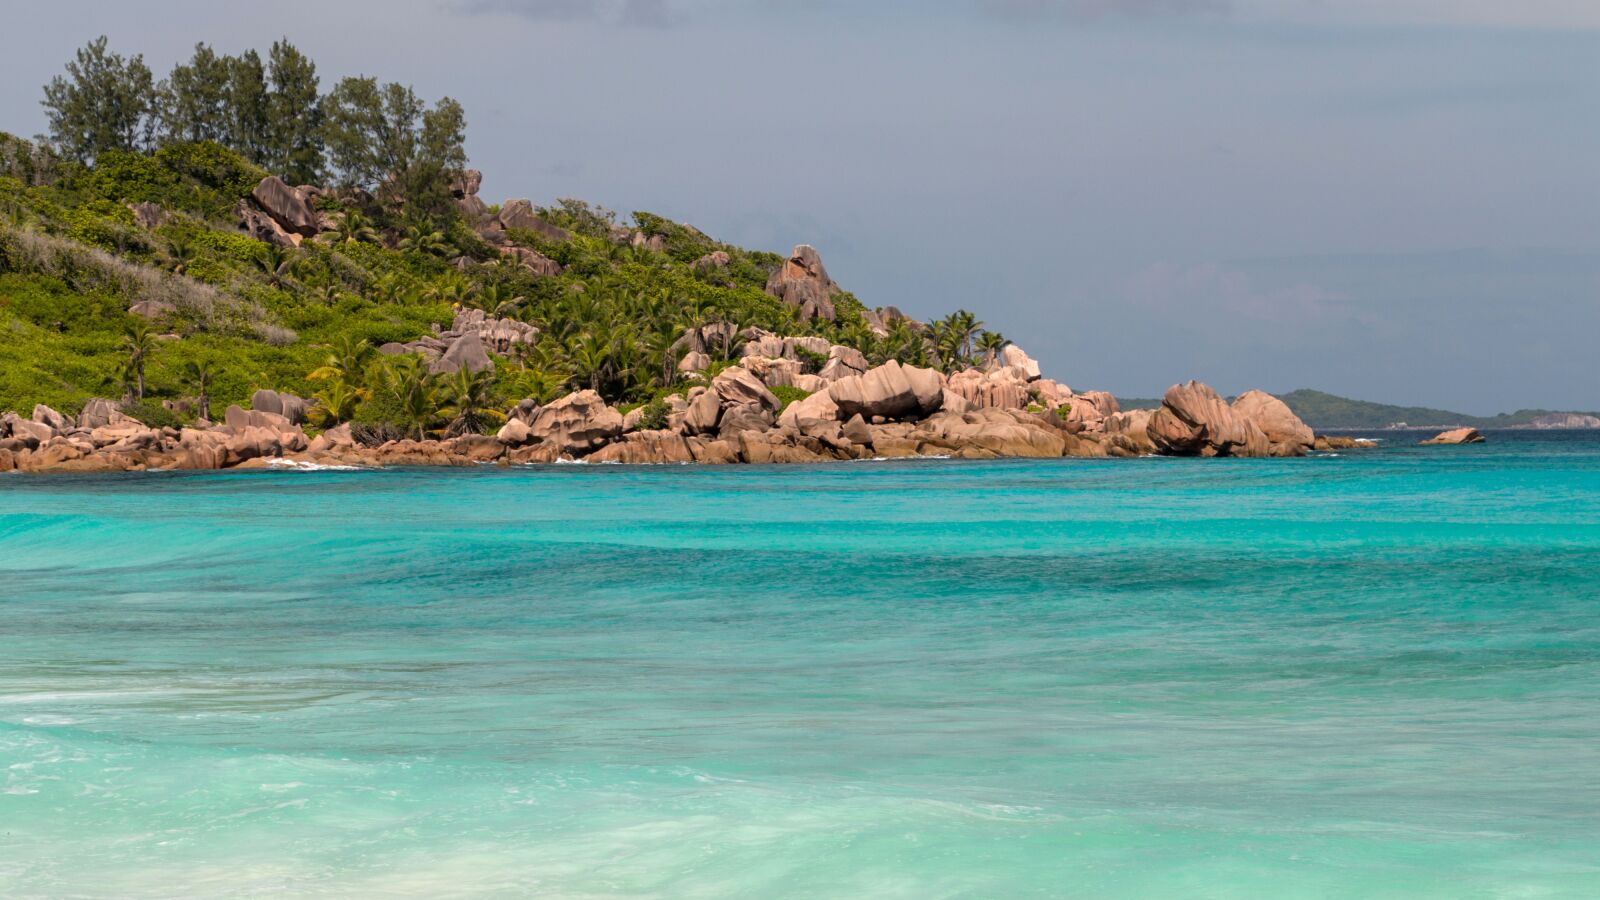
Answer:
x=1100 y=9
x=642 y=13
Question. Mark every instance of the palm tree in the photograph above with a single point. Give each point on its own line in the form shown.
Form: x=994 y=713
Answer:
x=275 y=262
x=354 y=228
x=346 y=361
x=420 y=238
x=589 y=358
x=180 y=253
x=454 y=291
x=541 y=385
x=197 y=373
x=990 y=343
x=406 y=380
x=138 y=343
x=497 y=301
x=337 y=402
x=466 y=402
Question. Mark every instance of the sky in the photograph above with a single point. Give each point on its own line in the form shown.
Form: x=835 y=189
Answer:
x=1394 y=200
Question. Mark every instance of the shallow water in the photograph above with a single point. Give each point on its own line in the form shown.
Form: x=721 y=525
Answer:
x=1371 y=674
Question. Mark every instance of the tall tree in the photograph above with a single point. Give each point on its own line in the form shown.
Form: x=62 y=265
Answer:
x=294 y=116
x=103 y=102
x=385 y=137
x=247 y=119
x=192 y=103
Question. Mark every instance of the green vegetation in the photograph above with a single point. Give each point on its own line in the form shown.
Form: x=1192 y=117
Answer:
x=170 y=307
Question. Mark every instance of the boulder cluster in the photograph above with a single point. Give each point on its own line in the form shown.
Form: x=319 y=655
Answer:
x=853 y=411
x=467 y=342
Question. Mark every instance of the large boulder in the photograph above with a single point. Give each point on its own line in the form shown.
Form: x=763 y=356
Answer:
x=803 y=282
x=499 y=335
x=703 y=413
x=647 y=448
x=1195 y=421
x=262 y=227
x=989 y=433
x=577 y=423
x=1000 y=389
x=44 y=415
x=519 y=214
x=532 y=260
x=890 y=391
x=1456 y=436
x=818 y=407
x=738 y=386
x=1287 y=434
x=286 y=205
x=467 y=352
x=289 y=406
x=464 y=190
x=1012 y=356
x=99 y=411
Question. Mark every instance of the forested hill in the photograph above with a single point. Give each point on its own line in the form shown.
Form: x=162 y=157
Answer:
x=176 y=244
x=1322 y=410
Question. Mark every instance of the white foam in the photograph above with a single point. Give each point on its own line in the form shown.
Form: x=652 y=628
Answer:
x=300 y=465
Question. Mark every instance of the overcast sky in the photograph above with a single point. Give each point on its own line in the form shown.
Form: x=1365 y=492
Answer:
x=1394 y=200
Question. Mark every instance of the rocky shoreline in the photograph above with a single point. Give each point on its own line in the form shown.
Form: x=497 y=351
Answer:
x=852 y=412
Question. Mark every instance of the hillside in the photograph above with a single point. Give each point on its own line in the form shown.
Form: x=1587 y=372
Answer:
x=1324 y=410
x=148 y=254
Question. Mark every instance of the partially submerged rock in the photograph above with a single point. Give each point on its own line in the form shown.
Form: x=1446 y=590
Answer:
x=1456 y=436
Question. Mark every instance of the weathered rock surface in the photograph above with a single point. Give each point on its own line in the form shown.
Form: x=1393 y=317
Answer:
x=1194 y=421
x=1456 y=436
x=1285 y=432
x=289 y=406
x=890 y=391
x=287 y=206
x=519 y=214
x=803 y=282
x=577 y=423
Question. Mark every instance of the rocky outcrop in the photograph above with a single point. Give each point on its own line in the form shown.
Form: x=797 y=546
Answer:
x=576 y=424
x=292 y=408
x=890 y=391
x=998 y=389
x=289 y=207
x=260 y=226
x=519 y=214
x=499 y=335
x=1194 y=421
x=1286 y=434
x=803 y=282
x=1456 y=436
x=532 y=260
x=464 y=190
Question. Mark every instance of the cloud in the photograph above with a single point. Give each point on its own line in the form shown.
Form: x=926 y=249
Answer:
x=642 y=13
x=1099 y=9
x=1211 y=292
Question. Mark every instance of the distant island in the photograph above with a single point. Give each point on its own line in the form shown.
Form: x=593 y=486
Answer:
x=1330 y=412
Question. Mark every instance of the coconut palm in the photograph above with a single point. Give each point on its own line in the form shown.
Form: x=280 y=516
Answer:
x=408 y=384
x=275 y=262
x=354 y=228
x=420 y=238
x=465 y=400
x=138 y=345
x=990 y=343
x=198 y=375
x=180 y=253
x=346 y=361
x=337 y=403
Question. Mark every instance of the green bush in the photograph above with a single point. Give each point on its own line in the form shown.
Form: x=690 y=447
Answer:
x=787 y=395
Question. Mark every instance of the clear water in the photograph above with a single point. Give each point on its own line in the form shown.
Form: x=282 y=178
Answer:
x=1366 y=675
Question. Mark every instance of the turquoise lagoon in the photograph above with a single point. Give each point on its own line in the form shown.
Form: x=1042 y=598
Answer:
x=1357 y=675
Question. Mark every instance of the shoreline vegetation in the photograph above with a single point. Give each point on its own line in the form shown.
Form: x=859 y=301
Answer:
x=319 y=267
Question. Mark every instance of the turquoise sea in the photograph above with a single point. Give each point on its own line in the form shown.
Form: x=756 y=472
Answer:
x=1358 y=675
